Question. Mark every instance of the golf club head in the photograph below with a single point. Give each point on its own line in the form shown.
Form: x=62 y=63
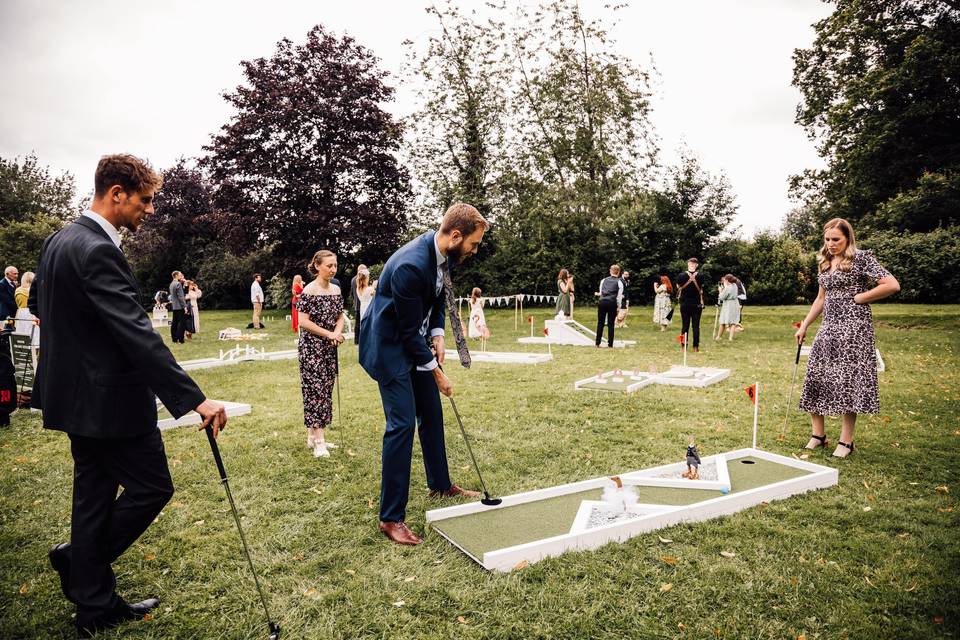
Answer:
x=490 y=502
x=274 y=631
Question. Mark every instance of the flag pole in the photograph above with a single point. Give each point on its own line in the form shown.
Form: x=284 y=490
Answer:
x=684 y=350
x=756 y=409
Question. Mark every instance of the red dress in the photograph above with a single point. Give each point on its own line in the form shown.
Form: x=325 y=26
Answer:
x=295 y=321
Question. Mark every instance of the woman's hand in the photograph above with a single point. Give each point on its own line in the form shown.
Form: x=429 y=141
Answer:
x=337 y=338
x=858 y=299
x=801 y=333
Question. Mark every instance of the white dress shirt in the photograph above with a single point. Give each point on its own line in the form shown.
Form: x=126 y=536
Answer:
x=256 y=292
x=105 y=225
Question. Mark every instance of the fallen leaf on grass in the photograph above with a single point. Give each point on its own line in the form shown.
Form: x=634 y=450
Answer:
x=912 y=587
x=149 y=556
x=24 y=589
x=310 y=593
x=350 y=572
x=681 y=626
x=461 y=620
x=351 y=453
x=937 y=619
x=802 y=636
x=147 y=617
x=523 y=564
x=903 y=535
x=781 y=438
x=670 y=560
x=942 y=489
x=370 y=503
x=794 y=580
x=199 y=523
x=804 y=456
x=869 y=582
x=21 y=459
x=868 y=508
x=399 y=603
x=865 y=485
x=664 y=540
x=666 y=586
x=410 y=578
x=728 y=554
x=297 y=556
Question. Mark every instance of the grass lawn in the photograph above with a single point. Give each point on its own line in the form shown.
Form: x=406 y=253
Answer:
x=876 y=557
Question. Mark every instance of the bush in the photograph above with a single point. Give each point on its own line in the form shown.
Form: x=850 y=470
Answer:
x=923 y=263
x=225 y=277
x=279 y=292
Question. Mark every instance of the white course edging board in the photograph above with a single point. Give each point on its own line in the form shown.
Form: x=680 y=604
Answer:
x=571 y=333
x=649 y=517
x=233 y=409
x=638 y=380
x=238 y=354
x=505 y=357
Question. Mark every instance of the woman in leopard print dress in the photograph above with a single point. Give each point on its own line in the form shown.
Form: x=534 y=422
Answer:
x=841 y=374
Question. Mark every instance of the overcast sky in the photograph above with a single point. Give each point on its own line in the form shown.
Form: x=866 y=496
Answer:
x=80 y=79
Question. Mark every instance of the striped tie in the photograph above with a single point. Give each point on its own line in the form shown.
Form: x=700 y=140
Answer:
x=462 y=349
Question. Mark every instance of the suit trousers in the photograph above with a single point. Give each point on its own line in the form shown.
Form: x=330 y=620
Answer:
x=177 y=325
x=691 y=315
x=606 y=314
x=410 y=401
x=104 y=525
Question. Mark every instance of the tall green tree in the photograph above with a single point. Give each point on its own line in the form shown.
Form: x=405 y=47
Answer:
x=309 y=159
x=33 y=204
x=881 y=97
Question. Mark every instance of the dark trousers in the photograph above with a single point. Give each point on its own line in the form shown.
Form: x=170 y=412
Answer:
x=105 y=524
x=410 y=401
x=691 y=315
x=606 y=315
x=177 y=326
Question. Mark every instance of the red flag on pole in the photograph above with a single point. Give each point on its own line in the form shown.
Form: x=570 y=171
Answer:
x=796 y=325
x=546 y=331
x=681 y=338
x=752 y=392
x=529 y=319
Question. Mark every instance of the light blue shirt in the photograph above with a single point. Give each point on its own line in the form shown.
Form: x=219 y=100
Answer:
x=105 y=225
x=441 y=260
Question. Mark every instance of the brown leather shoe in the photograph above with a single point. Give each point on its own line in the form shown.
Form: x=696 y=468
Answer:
x=399 y=533
x=453 y=492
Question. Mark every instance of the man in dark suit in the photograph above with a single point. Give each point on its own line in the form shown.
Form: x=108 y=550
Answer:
x=8 y=286
x=402 y=346
x=101 y=369
x=178 y=304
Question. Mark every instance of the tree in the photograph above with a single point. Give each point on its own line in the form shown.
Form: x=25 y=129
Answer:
x=178 y=234
x=33 y=204
x=881 y=96
x=308 y=161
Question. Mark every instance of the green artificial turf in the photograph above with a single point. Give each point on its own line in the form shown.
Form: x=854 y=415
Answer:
x=875 y=557
x=478 y=533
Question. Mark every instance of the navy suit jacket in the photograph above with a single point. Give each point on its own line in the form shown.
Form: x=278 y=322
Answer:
x=8 y=305
x=390 y=340
x=101 y=364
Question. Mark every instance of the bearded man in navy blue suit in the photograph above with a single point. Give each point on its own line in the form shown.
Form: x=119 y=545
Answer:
x=402 y=348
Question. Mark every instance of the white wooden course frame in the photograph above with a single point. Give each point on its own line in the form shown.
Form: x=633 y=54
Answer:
x=233 y=409
x=639 y=381
x=650 y=517
x=505 y=357
x=572 y=333
x=710 y=375
x=246 y=353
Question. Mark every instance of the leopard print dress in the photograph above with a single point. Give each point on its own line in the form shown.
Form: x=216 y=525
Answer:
x=842 y=369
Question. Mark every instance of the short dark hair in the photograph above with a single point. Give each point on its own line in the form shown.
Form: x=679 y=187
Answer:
x=130 y=172
x=464 y=218
x=256 y=275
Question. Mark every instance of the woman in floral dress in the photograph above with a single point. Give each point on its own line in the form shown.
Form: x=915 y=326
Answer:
x=564 y=293
x=661 y=302
x=841 y=376
x=320 y=311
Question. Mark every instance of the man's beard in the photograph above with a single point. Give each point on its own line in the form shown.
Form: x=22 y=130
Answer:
x=456 y=254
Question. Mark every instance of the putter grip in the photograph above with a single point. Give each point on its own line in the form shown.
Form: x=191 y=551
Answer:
x=216 y=453
x=799 y=346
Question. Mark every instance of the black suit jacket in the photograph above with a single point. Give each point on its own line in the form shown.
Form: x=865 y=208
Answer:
x=8 y=304
x=101 y=363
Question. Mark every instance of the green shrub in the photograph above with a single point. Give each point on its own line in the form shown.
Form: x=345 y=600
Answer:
x=923 y=263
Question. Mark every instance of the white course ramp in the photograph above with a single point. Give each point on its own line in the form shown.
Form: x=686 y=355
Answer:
x=232 y=408
x=571 y=333
x=504 y=357
x=691 y=376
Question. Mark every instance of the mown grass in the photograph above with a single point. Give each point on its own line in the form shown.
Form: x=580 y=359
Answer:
x=876 y=557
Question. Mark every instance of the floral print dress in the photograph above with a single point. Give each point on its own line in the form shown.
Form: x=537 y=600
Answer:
x=318 y=358
x=842 y=370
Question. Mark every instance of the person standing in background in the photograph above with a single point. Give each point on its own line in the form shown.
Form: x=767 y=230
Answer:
x=690 y=294
x=192 y=295
x=741 y=300
x=355 y=298
x=296 y=289
x=625 y=303
x=256 y=298
x=662 y=308
x=178 y=304
x=730 y=308
x=611 y=297
x=8 y=287
x=22 y=294
x=564 y=293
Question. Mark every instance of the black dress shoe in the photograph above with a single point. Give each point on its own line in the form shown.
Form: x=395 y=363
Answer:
x=122 y=613
x=59 y=555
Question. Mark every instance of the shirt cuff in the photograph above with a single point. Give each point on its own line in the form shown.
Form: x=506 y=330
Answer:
x=430 y=366
x=436 y=332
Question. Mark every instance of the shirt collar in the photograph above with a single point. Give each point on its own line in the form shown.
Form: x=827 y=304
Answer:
x=436 y=248
x=105 y=225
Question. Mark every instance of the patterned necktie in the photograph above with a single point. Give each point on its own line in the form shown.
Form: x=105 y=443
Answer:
x=462 y=349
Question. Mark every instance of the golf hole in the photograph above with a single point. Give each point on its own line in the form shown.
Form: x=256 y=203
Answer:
x=747 y=462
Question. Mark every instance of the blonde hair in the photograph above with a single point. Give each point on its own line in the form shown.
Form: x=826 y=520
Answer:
x=363 y=278
x=27 y=279
x=846 y=259
x=318 y=258
x=474 y=295
x=298 y=279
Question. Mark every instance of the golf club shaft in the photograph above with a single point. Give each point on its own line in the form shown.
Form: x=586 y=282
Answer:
x=469 y=449
x=793 y=382
x=233 y=508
